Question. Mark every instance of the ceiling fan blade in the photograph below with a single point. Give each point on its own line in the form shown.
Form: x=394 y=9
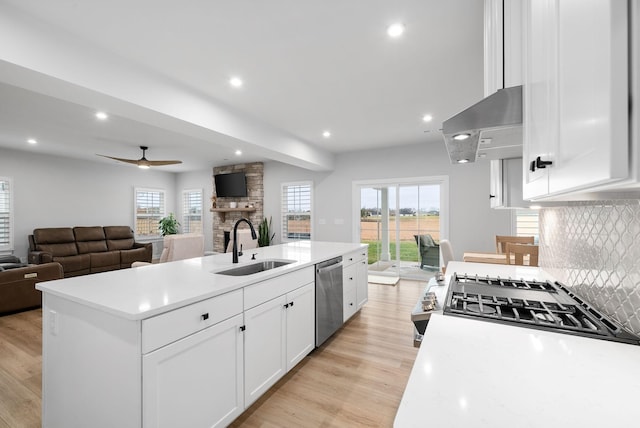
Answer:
x=164 y=162
x=132 y=161
x=143 y=162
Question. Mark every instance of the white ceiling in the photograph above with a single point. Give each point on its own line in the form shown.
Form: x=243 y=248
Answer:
x=308 y=66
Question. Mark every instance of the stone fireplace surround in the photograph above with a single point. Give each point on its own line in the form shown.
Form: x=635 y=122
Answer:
x=223 y=222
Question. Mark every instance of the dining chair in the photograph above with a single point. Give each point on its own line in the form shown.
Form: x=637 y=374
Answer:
x=447 y=253
x=501 y=242
x=516 y=253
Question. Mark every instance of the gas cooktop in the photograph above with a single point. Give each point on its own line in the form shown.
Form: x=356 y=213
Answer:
x=542 y=305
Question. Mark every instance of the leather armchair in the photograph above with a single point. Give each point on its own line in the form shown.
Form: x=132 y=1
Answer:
x=17 y=285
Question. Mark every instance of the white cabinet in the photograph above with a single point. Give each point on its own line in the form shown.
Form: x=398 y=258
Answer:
x=196 y=381
x=506 y=183
x=279 y=332
x=349 y=290
x=265 y=347
x=181 y=368
x=502 y=44
x=576 y=92
x=300 y=321
x=196 y=346
x=355 y=285
x=362 y=283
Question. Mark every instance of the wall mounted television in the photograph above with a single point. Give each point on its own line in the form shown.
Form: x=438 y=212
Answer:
x=231 y=185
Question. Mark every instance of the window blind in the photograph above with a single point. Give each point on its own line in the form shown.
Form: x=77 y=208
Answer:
x=527 y=223
x=6 y=215
x=150 y=208
x=297 y=211
x=192 y=211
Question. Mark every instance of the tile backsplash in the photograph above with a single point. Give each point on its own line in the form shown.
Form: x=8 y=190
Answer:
x=594 y=248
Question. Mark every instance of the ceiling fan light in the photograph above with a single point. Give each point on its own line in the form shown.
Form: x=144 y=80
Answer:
x=141 y=166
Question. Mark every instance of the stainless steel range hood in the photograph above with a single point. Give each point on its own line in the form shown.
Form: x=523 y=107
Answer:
x=491 y=127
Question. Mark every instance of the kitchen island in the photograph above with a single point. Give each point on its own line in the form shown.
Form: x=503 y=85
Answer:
x=178 y=344
x=474 y=373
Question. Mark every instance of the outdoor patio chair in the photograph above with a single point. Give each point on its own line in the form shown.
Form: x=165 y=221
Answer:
x=429 y=251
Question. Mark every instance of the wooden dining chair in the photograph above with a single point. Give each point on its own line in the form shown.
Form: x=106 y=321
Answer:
x=501 y=242
x=516 y=254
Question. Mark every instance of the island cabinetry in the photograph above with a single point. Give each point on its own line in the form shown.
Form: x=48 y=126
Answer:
x=354 y=282
x=280 y=331
x=198 y=379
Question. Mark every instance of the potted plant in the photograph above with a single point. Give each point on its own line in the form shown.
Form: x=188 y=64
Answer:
x=168 y=225
x=264 y=233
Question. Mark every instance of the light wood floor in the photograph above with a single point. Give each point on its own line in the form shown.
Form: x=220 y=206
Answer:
x=355 y=379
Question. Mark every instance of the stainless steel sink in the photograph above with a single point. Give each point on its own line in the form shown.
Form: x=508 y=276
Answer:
x=252 y=268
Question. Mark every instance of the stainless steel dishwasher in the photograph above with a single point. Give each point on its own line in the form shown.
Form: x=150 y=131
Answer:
x=329 y=316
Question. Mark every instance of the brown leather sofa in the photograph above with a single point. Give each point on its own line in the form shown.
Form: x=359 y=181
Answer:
x=17 y=285
x=84 y=250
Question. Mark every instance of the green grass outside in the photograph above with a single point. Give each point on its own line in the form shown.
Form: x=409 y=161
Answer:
x=408 y=251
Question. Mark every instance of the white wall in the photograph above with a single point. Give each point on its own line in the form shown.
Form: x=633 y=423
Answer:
x=198 y=180
x=473 y=224
x=51 y=191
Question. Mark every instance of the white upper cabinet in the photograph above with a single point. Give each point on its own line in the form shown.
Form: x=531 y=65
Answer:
x=576 y=110
x=506 y=184
x=502 y=44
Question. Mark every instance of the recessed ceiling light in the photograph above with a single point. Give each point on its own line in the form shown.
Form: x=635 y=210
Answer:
x=102 y=115
x=32 y=141
x=238 y=152
x=463 y=161
x=236 y=82
x=461 y=137
x=326 y=134
x=395 y=30
x=427 y=118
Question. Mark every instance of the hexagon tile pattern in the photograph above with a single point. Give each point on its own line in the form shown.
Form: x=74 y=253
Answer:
x=594 y=248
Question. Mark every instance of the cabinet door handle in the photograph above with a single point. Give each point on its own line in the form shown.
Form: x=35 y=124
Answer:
x=492 y=196
x=205 y=316
x=291 y=304
x=350 y=259
x=350 y=304
x=243 y=327
x=286 y=305
x=350 y=278
x=532 y=166
x=542 y=164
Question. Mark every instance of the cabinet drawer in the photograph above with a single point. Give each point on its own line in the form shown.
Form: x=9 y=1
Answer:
x=350 y=304
x=270 y=289
x=166 y=328
x=354 y=256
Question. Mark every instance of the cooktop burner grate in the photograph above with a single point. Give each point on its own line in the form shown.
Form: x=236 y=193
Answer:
x=553 y=307
x=507 y=282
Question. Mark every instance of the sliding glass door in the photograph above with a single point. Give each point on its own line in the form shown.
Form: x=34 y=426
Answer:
x=402 y=223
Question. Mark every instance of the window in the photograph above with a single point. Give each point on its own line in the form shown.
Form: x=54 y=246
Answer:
x=6 y=214
x=192 y=211
x=150 y=208
x=527 y=223
x=297 y=210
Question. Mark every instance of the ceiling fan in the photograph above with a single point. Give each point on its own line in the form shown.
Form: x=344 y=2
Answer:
x=143 y=162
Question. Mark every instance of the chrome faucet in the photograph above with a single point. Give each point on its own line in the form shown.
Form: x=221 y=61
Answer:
x=235 y=236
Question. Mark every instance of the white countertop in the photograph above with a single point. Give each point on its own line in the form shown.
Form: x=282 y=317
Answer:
x=472 y=373
x=146 y=291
